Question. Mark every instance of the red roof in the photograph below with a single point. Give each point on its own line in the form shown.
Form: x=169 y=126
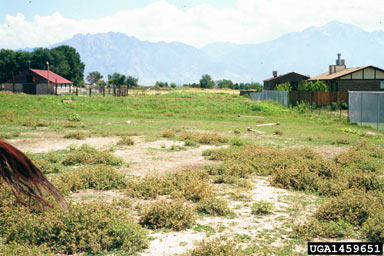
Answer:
x=52 y=77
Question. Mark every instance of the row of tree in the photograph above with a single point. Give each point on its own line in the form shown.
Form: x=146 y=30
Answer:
x=207 y=82
x=63 y=60
x=116 y=79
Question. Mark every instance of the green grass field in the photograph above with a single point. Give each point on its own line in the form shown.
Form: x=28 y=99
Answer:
x=144 y=176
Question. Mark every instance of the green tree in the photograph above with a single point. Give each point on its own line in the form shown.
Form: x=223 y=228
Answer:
x=318 y=86
x=94 y=77
x=132 y=82
x=67 y=63
x=206 y=82
x=284 y=87
x=224 y=83
x=173 y=85
x=101 y=83
x=116 y=79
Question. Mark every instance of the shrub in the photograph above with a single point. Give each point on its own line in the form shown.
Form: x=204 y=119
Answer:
x=213 y=206
x=216 y=247
x=262 y=207
x=373 y=228
x=168 y=134
x=89 y=155
x=278 y=132
x=190 y=143
x=284 y=87
x=342 y=141
x=79 y=135
x=327 y=229
x=191 y=185
x=352 y=206
x=93 y=177
x=126 y=141
x=74 y=118
x=203 y=138
x=24 y=249
x=89 y=228
x=237 y=141
x=173 y=215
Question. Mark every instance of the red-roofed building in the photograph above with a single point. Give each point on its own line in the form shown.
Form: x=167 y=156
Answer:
x=293 y=78
x=36 y=81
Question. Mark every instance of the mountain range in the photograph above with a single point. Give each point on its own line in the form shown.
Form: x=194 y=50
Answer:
x=307 y=52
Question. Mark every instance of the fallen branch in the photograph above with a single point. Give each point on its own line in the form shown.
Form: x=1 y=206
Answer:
x=270 y=124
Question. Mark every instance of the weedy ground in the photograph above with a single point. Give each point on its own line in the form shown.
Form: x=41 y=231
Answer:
x=181 y=174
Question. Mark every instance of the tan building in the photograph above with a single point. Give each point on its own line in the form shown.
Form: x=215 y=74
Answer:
x=341 y=78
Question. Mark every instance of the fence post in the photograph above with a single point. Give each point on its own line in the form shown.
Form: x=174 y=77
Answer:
x=77 y=91
x=90 y=92
x=361 y=109
x=103 y=91
x=378 y=110
x=56 y=87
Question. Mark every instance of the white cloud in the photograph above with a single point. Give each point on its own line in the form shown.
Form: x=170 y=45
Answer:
x=251 y=21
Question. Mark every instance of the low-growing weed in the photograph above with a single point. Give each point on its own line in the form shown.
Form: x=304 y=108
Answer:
x=213 y=206
x=78 y=135
x=127 y=141
x=174 y=215
x=204 y=138
x=262 y=207
x=89 y=155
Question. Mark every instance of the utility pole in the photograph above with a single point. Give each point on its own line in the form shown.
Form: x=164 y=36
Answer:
x=48 y=75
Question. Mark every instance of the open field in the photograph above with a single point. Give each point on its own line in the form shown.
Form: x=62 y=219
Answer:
x=181 y=174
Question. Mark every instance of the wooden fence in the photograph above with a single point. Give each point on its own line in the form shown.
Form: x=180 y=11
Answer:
x=317 y=98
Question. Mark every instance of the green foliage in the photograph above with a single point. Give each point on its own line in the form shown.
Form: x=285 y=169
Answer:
x=302 y=107
x=78 y=135
x=191 y=185
x=173 y=215
x=20 y=249
x=74 y=117
x=203 y=138
x=213 y=206
x=168 y=134
x=90 y=228
x=86 y=154
x=216 y=247
x=373 y=228
x=94 y=77
x=97 y=177
x=161 y=84
x=126 y=141
x=262 y=207
x=318 y=86
x=327 y=229
x=206 y=82
x=224 y=83
x=284 y=87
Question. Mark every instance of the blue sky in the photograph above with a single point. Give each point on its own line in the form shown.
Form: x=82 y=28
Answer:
x=40 y=23
x=90 y=9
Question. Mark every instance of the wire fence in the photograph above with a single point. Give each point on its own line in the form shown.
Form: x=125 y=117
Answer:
x=367 y=108
x=279 y=96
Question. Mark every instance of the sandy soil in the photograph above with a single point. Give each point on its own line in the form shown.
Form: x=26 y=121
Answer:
x=156 y=157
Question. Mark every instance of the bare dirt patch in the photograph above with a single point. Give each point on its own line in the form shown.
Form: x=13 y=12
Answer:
x=269 y=229
x=50 y=141
x=156 y=157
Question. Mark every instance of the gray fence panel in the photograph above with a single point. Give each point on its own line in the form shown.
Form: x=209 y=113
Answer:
x=279 y=96
x=367 y=108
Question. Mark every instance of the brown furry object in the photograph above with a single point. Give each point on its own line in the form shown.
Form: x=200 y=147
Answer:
x=24 y=178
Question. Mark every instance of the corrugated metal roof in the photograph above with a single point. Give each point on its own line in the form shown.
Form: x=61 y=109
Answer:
x=327 y=76
x=51 y=76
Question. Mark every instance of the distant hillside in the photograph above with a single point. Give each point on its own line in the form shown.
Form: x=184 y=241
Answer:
x=307 y=52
